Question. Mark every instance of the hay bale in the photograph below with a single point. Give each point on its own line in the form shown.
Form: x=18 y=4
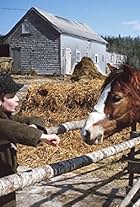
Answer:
x=6 y=65
x=85 y=69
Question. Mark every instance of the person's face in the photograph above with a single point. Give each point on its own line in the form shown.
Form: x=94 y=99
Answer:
x=10 y=102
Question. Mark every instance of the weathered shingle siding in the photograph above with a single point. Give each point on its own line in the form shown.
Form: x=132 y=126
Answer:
x=39 y=50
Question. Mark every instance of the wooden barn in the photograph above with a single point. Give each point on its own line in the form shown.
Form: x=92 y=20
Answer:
x=49 y=44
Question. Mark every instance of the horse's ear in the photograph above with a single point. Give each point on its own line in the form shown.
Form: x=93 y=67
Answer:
x=111 y=67
x=127 y=72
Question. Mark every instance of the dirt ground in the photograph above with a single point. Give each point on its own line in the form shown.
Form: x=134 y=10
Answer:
x=103 y=184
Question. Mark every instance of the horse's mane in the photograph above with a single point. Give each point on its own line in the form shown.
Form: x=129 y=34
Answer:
x=118 y=74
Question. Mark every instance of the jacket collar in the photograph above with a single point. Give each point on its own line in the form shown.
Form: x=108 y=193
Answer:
x=4 y=115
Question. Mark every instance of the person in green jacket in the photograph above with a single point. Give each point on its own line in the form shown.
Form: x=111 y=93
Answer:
x=15 y=129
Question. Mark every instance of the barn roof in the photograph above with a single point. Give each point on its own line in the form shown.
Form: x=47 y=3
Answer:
x=71 y=27
x=63 y=26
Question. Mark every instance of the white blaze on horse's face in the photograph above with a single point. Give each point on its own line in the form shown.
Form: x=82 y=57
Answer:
x=92 y=133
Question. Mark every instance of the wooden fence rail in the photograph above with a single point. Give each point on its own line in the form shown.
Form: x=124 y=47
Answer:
x=17 y=181
x=14 y=182
x=64 y=127
x=131 y=194
x=137 y=204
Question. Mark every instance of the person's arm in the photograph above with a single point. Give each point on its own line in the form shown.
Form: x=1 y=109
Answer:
x=32 y=120
x=12 y=131
x=51 y=139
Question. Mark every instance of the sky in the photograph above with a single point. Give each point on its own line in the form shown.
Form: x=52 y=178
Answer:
x=106 y=17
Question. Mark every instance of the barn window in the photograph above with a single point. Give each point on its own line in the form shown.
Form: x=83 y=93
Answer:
x=96 y=58
x=78 y=56
x=112 y=58
x=25 y=28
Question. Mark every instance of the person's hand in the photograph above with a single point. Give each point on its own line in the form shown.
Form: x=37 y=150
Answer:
x=51 y=139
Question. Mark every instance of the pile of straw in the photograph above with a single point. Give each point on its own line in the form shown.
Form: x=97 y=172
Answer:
x=85 y=69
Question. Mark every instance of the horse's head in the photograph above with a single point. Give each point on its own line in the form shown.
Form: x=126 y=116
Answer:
x=117 y=107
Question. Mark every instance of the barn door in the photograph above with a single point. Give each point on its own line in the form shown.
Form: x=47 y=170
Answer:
x=68 y=61
x=16 y=59
x=4 y=50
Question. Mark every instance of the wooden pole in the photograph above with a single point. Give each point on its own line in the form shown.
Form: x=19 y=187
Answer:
x=131 y=155
x=137 y=204
x=131 y=194
x=14 y=182
x=64 y=127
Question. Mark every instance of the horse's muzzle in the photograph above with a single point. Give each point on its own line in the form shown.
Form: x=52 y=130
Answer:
x=89 y=139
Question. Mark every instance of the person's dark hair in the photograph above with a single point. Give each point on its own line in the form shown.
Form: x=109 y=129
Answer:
x=2 y=96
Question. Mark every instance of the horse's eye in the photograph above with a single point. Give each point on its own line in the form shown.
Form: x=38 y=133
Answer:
x=116 y=98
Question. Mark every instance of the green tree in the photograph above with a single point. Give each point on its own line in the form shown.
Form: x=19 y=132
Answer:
x=126 y=46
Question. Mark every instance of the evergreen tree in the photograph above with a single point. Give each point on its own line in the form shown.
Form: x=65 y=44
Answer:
x=126 y=46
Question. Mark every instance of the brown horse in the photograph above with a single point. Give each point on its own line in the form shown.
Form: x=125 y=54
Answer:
x=118 y=105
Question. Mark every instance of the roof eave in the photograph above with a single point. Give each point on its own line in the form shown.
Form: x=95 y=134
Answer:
x=82 y=37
